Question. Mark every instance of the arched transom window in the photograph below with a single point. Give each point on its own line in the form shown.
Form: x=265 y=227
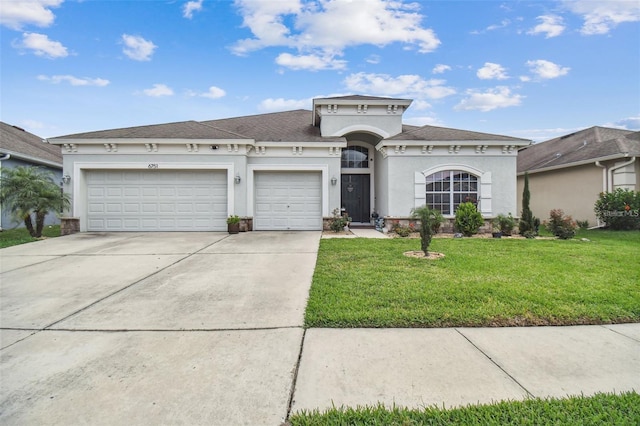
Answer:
x=446 y=190
x=355 y=157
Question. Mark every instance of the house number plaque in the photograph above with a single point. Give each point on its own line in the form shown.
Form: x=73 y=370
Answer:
x=152 y=166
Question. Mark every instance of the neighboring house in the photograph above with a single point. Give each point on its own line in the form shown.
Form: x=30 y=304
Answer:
x=571 y=171
x=21 y=148
x=286 y=170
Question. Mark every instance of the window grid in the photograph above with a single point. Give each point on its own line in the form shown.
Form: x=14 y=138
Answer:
x=446 y=190
x=355 y=157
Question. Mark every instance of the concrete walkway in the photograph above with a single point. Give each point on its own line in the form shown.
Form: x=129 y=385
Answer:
x=207 y=328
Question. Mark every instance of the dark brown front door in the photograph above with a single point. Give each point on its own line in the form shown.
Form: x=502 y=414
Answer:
x=355 y=197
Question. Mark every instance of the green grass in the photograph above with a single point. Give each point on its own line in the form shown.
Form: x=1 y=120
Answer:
x=480 y=282
x=13 y=237
x=621 y=409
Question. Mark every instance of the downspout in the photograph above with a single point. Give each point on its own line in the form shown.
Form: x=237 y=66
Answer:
x=604 y=189
x=3 y=158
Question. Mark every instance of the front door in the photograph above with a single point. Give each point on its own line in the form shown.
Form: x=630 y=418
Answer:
x=356 y=198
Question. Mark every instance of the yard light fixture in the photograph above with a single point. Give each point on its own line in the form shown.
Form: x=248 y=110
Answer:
x=334 y=181
x=237 y=179
x=66 y=179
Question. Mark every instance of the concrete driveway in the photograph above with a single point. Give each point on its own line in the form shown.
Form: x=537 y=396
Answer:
x=153 y=328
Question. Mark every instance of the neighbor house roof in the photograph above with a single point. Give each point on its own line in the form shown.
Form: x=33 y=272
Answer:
x=433 y=133
x=576 y=148
x=179 y=130
x=26 y=146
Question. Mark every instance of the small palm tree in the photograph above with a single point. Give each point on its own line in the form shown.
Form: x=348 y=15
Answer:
x=31 y=190
x=430 y=221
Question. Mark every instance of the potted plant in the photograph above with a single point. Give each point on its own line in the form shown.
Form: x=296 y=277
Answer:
x=233 y=224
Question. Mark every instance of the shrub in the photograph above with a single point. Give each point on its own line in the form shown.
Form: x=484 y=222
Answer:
x=338 y=221
x=233 y=220
x=430 y=221
x=563 y=227
x=619 y=209
x=529 y=224
x=504 y=224
x=402 y=230
x=468 y=219
x=583 y=224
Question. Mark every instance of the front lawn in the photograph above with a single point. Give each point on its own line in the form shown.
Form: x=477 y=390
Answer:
x=13 y=237
x=480 y=282
x=622 y=409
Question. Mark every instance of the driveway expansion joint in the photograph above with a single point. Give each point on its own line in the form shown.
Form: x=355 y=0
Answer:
x=496 y=364
x=294 y=380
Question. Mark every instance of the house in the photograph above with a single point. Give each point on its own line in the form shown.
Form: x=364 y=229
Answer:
x=284 y=171
x=571 y=171
x=21 y=148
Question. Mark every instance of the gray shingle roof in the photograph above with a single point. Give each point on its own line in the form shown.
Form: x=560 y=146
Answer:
x=433 y=133
x=15 y=140
x=287 y=126
x=179 y=130
x=585 y=145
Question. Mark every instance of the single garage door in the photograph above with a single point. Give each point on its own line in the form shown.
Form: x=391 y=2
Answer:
x=156 y=200
x=288 y=200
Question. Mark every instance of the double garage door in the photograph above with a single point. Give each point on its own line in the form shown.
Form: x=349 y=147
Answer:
x=196 y=200
x=156 y=200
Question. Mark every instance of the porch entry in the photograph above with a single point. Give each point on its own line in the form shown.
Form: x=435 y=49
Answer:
x=355 y=192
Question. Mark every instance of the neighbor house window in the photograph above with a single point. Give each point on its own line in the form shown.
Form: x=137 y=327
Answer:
x=446 y=190
x=355 y=157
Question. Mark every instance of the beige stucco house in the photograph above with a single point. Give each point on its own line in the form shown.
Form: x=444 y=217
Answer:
x=284 y=171
x=571 y=171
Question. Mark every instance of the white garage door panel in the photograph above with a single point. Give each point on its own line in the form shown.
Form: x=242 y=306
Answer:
x=156 y=200
x=288 y=200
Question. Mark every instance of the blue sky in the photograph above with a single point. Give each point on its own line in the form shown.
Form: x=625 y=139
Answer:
x=530 y=69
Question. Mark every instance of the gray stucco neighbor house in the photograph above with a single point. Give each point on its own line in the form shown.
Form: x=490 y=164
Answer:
x=21 y=148
x=286 y=170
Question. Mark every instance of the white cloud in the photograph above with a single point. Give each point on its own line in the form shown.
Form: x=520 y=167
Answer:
x=75 y=81
x=550 y=25
x=16 y=14
x=503 y=24
x=498 y=97
x=491 y=71
x=42 y=46
x=323 y=29
x=281 y=104
x=629 y=123
x=190 y=7
x=410 y=85
x=600 y=17
x=440 y=68
x=214 y=93
x=158 y=90
x=373 y=59
x=546 y=70
x=137 y=48
x=310 y=62
x=422 y=120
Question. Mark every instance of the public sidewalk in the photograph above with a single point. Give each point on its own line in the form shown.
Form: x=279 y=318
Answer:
x=460 y=366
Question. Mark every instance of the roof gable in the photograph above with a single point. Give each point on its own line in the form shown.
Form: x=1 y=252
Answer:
x=17 y=141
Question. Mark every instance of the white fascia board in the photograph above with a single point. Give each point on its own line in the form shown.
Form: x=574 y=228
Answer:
x=395 y=142
x=290 y=144
x=24 y=157
x=377 y=102
x=575 y=164
x=159 y=141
